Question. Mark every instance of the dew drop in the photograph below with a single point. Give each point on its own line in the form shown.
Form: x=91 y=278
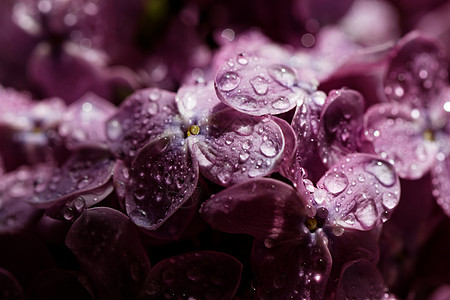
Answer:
x=243 y=157
x=389 y=200
x=247 y=144
x=383 y=172
x=269 y=243
x=229 y=81
x=283 y=75
x=224 y=176
x=113 y=129
x=281 y=103
x=69 y=213
x=335 y=182
x=154 y=95
x=254 y=172
x=152 y=108
x=79 y=203
x=268 y=148
x=242 y=59
x=84 y=182
x=259 y=85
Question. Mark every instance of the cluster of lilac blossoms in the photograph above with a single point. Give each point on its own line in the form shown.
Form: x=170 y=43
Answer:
x=158 y=150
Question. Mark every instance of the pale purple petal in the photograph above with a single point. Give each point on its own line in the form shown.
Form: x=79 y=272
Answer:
x=109 y=250
x=196 y=102
x=399 y=134
x=258 y=85
x=341 y=123
x=416 y=71
x=295 y=270
x=10 y=288
x=440 y=174
x=85 y=175
x=237 y=147
x=360 y=280
x=363 y=191
x=83 y=123
x=195 y=275
x=162 y=178
x=270 y=210
x=16 y=188
x=142 y=116
x=14 y=105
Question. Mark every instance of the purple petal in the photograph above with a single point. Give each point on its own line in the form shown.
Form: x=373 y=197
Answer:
x=258 y=86
x=341 y=123
x=290 y=145
x=268 y=209
x=162 y=179
x=398 y=134
x=363 y=191
x=297 y=270
x=416 y=70
x=14 y=104
x=121 y=176
x=441 y=293
x=238 y=147
x=81 y=178
x=10 y=288
x=440 y=174
x=83 y=123
x=58 y=284
x=141 y=117
x=360 y=280
x=108 y=248
x=197 y=101
x=197 y=275
x=15 y=189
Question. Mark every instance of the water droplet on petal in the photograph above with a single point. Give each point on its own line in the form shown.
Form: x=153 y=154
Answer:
x=152 y=108
x=283 y=75
x=268 y=148
x=69 y=213
x=79 y=203
x=113 y=129
x=247 y=144
x=154 y=95
x=382 y=171
x=243 y=157
x=242 y=59
x=335 y=182
x=224 y=176
x=84 y=182
x=281 y=103
x=259 y=85
x=269 y=242
x=389 y=200
x=228 y=82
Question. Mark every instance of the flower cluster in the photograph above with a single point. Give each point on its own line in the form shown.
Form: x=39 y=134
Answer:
x=159 y=150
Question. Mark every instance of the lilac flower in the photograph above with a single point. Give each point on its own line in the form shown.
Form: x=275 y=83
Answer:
x=416 y=116
x=296 y=230
x=168 y=138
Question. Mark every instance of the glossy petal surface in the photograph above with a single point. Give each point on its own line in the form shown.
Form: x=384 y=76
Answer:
x=84 y=173
x=440 y=174
x=195 y=275
x=258 y=86
x=297 y=270
x=264 y=208
x=391 y=125
x=108 y=248
x=83 y=123
x=363 y=191
x=163 y=176
x=142 y=116
x=238 y=147
x=360 y=280
x=341 y=123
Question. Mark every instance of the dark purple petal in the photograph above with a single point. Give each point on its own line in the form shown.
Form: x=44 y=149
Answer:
x=341 y=123
x=257 y=85
x=363 y=190
x=399 y=134
x=83 y=123
x=84 y=178
x=15 y=189
x=360 y=280
x=196 y=275
x=162 y=178
x=441 y=293
x=141 y=117
x=267 y=209
x=237 y=147
x=416 y=70
x=108 y=248
x=440 y=174
x=121 y=175
x=10 y=288
x=297 y=270
x=57 y=284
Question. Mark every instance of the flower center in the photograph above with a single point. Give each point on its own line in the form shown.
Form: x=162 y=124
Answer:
x=193 y=130
x=428 y=135
x=318 y=221
x=311 y=224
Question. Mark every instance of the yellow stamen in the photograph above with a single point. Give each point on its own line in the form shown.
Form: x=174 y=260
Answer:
x=194 y=130
x=311 y=224
x=428 y=135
